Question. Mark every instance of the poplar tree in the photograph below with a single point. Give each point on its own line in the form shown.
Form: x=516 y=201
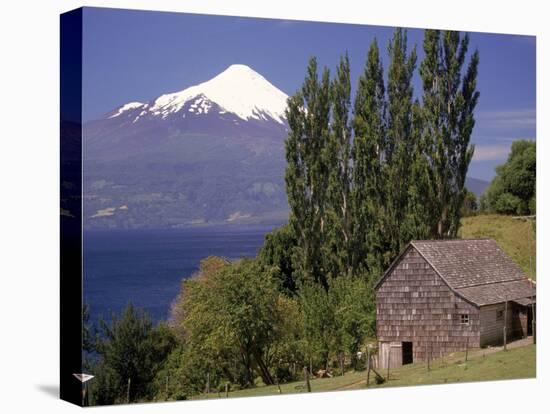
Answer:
x=337 y=244
x=368 y=190
x=449 y=100
x=419 y=213
x=306 y=174
x=400 y=142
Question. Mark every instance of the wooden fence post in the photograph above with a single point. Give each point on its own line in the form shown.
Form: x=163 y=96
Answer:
x=306 y=375
x=226 y=390
x=208 y=383
x=429 y=353
x=505 y=322
x=533 y=321
x=128 y=392
x=467 y=345
x=368 y=366
x=86 y=401
x=389 y=359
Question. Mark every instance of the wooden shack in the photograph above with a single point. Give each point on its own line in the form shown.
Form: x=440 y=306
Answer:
x=442 y=296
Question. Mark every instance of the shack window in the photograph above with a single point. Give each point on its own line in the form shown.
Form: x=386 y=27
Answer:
x=500 y=315
x=464 y=319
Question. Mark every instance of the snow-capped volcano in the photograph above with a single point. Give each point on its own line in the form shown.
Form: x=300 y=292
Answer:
x=211 y=153
x=238 y=90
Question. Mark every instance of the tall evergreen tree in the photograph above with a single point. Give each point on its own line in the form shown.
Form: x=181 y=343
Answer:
x=449 y=100
x=400 y=142
x=337 y=244
x=306 y=174
x=420 y=195
x=367 y=154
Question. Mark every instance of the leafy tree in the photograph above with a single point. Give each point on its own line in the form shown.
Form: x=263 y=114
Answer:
x=287 y=353
x=508 y=203
x=399 y=143
x=512 y=191
x=190 y=366
x=278 y=250
x=193 y=361
x=448 y=104
x=231 y=318
x=353 y=306
x=368 y=187
x=106 y=388
x=208 y=267
x=338 y=320
x=419 y=215
x=184 y=374
x=132 y=350
x=469 y=207
x=337 y=241
x=318 y=323
x=306 y=174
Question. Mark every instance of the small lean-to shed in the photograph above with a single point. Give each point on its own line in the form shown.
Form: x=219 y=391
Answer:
x=441 y=296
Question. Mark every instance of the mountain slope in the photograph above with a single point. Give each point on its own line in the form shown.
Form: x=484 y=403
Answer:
x=476 y=186
x=211 y=153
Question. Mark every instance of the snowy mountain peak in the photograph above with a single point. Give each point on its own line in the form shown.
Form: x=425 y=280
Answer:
x=238 y=89
x=126 y=107
x=240 y=73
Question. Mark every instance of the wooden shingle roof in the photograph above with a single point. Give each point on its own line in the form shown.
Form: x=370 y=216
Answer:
x=518 y=290
x=476 y=269
x=468 y=262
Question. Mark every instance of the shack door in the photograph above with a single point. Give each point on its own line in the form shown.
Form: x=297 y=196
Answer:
x=407 y=348
x=390 y=353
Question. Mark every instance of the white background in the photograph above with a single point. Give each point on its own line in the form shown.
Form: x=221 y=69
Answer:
x=29 y=208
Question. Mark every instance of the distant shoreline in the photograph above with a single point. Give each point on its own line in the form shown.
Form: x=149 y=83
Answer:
x=213 y=226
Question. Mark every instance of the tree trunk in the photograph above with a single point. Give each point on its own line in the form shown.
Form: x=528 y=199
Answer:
x=441 y=225
x=263 y=371
x=248 y=366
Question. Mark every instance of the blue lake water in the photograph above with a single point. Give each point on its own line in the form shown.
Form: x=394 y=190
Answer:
x=146 y=267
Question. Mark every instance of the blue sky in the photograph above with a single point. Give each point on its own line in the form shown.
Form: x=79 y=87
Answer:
x=137 y=56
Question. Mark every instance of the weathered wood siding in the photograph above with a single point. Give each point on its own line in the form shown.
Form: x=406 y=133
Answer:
x=491 y=332
x=414 y=304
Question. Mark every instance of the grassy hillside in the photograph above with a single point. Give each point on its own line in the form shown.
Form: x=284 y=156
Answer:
x=515 y=236
x=482 y=365
x=515 y=363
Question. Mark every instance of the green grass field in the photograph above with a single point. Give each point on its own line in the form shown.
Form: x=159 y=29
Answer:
x=482 y=365
x=515 y=236
x=511 y=364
